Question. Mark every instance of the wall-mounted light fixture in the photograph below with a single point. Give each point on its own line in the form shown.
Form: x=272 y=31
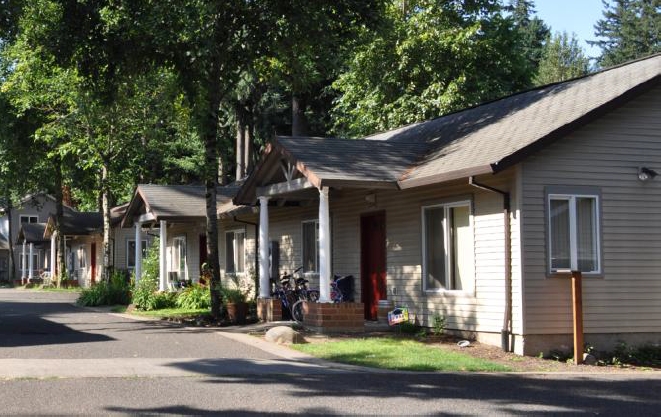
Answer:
x=370 y=199
x=646 y=174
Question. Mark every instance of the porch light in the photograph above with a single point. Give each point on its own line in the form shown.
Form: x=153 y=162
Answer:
x=645 y=174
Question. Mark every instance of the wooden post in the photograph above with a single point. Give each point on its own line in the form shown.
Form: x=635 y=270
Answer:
x=577 y=304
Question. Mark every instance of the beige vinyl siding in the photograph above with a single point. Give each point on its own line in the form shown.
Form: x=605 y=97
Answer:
x=121 y=237
x=605 y=154
x=480 y=310
x=192 y=234
x=250 y=243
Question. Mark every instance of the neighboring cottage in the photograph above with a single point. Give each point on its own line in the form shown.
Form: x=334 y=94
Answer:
x=176 y=214
x=32 y=209
x=481 y=214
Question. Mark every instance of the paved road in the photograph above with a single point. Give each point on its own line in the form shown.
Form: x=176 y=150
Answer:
x=56 y=358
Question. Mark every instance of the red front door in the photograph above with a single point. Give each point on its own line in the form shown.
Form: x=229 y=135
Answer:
x=93 y=261
x=373 y=261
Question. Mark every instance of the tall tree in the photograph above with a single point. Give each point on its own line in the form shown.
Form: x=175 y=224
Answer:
x=534 y=32
x=430 y=58
x=630 y=29
x=562 y=59
x=308 y=43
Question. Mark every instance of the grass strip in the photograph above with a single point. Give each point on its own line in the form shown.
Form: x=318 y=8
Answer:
x=398 y=354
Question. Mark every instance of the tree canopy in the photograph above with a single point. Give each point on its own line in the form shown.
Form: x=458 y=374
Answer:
x=629 y=29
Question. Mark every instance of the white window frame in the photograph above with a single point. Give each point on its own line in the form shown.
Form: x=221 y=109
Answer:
x=238 y=269
x=446 y=206
x=130 y=252
x=175 y=267
x=29 y=218
x=316 y=246
x=573 y=228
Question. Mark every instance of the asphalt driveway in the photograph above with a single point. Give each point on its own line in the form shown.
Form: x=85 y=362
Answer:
x=57 y=358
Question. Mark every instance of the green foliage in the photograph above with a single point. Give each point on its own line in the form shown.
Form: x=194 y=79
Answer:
x=534 y=32
x=645 y=355
x=438 y=324
x=144 y=293
x=629 y=29
x=562 y=59
x=428 y=60
x=116 y=291
x=194 y=297
x=233 y=295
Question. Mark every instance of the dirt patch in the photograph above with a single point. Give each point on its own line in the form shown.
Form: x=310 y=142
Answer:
x=494 y=354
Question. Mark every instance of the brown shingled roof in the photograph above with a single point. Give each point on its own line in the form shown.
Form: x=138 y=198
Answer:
x=175 y=202
x=479 y=140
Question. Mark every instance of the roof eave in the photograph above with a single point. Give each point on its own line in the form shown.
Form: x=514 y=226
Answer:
x=445 y=177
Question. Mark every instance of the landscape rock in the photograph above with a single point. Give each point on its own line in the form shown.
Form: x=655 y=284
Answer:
x=589 y=359
x=284 y=335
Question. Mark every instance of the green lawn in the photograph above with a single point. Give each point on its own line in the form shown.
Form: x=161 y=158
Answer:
x=398 y=354
x=164 y=313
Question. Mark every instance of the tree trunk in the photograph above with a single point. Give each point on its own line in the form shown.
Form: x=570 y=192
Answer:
x=10 y=237
x=299 y=122
x=209 y=134
x=249 y=142
x=59 y=214
x=105 y=208
x=240 y=143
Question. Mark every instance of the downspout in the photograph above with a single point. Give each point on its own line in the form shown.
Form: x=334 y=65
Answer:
x=506 y=331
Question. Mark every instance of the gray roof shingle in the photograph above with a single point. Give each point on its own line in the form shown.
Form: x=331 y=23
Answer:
x=177 y=202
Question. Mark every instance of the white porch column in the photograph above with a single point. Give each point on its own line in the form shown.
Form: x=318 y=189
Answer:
x=23 y=263
x=324 y=247
x=138 y=252
x=53 y=258
x=31 y=262
x=264 y=270
x=163 y=271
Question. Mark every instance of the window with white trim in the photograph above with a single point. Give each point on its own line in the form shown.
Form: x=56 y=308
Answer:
x=130 y=252
x=179 y=257
x=448 y=247
x=28 y=219
x=81 y=257
x=310 y=251
x=573 y=233
x=235 y=255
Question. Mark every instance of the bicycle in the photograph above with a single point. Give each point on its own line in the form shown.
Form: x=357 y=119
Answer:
x=288 y=296
x=304 y=293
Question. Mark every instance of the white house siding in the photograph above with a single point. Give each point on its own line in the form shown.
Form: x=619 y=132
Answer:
x=121 y=236
x=479 y=313
x=249 y=276
x=84 y=275
x=626 y=300
x=192 y=232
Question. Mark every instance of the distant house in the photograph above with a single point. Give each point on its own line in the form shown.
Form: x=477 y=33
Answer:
x=480 y=215
x=32 y=209
x=83 y=235
x=176 y=214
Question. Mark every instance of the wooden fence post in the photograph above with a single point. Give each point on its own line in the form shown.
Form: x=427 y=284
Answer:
x=577 y=303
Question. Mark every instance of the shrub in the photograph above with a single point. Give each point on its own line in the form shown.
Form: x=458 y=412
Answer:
x=115 y=291
x=144 y=293
x=438 y=323
x=194 y=297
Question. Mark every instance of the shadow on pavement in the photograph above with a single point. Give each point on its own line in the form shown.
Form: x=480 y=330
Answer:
x=20 y=326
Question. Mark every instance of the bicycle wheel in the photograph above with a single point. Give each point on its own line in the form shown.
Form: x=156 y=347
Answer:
x=297 y=311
